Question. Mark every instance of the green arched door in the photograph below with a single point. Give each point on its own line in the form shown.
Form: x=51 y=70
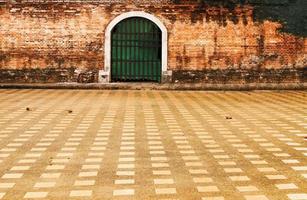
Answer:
x=136 y=51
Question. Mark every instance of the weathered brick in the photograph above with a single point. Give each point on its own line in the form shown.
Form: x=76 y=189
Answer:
x=69 y=34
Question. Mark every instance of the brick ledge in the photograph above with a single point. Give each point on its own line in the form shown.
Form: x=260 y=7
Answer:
x=155 y=86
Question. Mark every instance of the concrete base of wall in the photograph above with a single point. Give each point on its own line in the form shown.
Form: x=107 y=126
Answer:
x=181 y=77
x=241 y=76
x=154 y=86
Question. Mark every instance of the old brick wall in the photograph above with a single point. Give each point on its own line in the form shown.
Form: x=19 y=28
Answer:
x=63 y=41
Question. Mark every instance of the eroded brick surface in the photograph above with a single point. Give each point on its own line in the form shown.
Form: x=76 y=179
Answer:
x=51 y=35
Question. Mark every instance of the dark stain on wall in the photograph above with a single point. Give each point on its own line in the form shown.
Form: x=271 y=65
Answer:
x=240 y=76
x=48 y=75
x=291 y=13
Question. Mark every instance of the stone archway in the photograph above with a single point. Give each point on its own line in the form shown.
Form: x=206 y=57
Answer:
x=105 y=75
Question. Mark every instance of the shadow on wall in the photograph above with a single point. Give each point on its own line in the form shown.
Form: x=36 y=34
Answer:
x=291 y=13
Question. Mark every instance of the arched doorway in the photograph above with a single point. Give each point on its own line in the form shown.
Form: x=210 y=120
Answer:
x=118 y=32
x=136 y=51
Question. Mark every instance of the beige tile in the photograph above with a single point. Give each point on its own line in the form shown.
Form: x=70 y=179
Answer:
x=35 y=195
x=125 y=173
x=84 y=182
x=276 y=177
x=233 y=170
x=297 y=196
x=80 y=193
x=202 y=180
x=12 y=175
x=248 y=188
x=239 y=178
x=286 y=186
x=44 y=184
x=159 y=165
x=207 y=189
x=213 y=198
x=163 y=181
x=259 y=162
x=88 y=174
x=166 y=191
x=198 y=171
x=256 y=197
x=123 y=192
x=266 y=169
x=226 y=163
x=299 y=168
x=291 y=161
x=161 y=172
x=6 y=185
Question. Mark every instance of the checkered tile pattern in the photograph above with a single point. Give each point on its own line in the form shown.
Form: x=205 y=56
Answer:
x=70 y=144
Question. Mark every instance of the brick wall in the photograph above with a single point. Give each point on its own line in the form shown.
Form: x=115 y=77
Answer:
x=63 y=40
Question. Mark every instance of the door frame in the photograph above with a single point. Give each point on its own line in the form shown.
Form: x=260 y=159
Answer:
x=105 y=75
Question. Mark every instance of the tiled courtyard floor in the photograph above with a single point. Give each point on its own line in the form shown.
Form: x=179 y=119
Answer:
x=72 y=144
